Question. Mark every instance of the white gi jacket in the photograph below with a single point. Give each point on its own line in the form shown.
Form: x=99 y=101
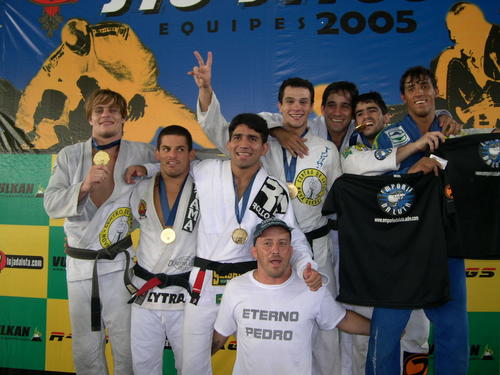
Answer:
x=214 y=182
x=158 y=257
x=314 y=173
x=86 y=226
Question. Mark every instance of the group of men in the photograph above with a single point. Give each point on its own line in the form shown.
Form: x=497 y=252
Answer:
x=256 y=218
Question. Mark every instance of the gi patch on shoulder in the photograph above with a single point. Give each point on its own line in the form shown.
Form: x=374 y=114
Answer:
x=396 y=199
x=311 y=185
x=489 y=151
x=382 y=153
x=398 y=136
x=141 y=209
x=271 y=199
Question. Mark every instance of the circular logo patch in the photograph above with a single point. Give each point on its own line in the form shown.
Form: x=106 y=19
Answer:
x=489 y=151
x=116 y=227
x=382 y=153
x=311 y=185
x=396 y=199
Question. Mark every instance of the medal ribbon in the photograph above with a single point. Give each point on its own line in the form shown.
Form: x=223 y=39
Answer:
x=169 y=215
x=246 y=197
x=291 y=168
x=105 y=147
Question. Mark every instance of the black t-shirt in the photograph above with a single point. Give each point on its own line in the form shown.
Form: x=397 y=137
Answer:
x=473 y=173
x=392 y=240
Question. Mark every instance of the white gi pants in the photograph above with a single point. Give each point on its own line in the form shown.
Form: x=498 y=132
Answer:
x=88 y=346
x=325 y=343
x=197 y=339
x=148 y=333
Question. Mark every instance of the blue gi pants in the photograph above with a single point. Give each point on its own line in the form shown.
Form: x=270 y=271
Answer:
x=451 y=332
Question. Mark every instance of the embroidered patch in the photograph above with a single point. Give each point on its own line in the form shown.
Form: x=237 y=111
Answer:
x=398 y=136
x=382 y=153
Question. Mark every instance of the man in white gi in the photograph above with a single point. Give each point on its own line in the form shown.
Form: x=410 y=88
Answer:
x=234 y=196
x=273 y=313
x=87 y=189
x=167 y=210
x=308 y=178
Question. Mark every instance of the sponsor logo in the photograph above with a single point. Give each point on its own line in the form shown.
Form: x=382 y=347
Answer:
x=58 y=262
x=271 y=199
x=170 y=298
x=415 y=363
x=221 y=280
x=311 y=185
x=230 y=345
x=20 y=189
x=397 y=136
x=396 y=199
x=489 y=151
x=192 y=213
x=116 y=227
x=15 y=332
x=20 y=261
x=142 y=209
x=182 y=263
x=485 y=272
x=59 y=336
x=382 y=153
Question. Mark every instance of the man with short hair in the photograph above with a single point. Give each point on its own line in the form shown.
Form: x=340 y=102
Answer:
x=418 y=89
x=308 y=178
x=87 y=189
x=335 y=124
x=371 y=115
x=272 y=311
x=167 y=210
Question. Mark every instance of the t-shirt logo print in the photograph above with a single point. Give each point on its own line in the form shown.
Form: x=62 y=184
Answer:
x=489 y=151
x=396 y=199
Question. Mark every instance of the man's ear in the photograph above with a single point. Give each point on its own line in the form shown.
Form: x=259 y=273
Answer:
x=254 y=252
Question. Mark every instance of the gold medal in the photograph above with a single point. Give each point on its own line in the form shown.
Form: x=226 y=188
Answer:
x=101 y=158
x=168 y=235
x=239 y=236
x=292 y=190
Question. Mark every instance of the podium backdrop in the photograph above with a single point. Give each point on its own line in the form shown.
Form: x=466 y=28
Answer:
x=54 y=53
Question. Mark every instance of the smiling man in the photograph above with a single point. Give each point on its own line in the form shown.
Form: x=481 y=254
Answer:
x=273 y=313
x=418 y=89
x=308 y=178
x=167 y=210
x=234 y=196
x=87 y=189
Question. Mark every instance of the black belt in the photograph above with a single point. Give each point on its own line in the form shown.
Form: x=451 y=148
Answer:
x=321 y=231
x=161 y=280
x=109 y=253
x=225 y=268
x=220 y=268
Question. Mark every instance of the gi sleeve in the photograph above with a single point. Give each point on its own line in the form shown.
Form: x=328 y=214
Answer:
x=214 y=124
x=61 y=196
